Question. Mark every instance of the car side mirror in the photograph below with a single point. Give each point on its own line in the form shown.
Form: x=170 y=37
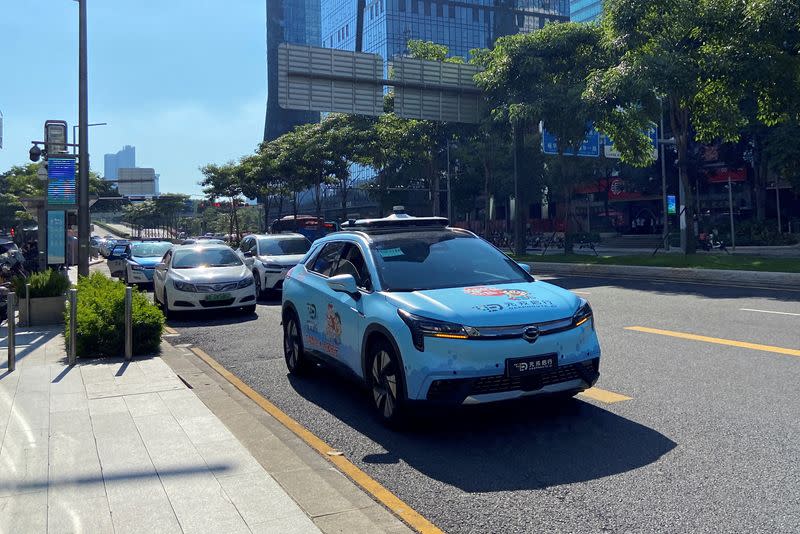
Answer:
x=344 y=283
x=525 y=267
x=248 y=254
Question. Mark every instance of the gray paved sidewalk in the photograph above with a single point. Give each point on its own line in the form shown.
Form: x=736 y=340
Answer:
x=109 y=446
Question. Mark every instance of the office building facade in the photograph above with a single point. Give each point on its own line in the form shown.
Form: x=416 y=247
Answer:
x=137 y=182
x=459 y=25
x=585 y=10
x=294 y=22
x=125 y=158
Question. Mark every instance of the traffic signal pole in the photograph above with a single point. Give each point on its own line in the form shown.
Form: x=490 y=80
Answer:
x=83 y=142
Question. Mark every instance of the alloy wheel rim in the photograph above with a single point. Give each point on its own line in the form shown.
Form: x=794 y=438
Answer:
x=292 y=345
x=258 y=284
x=384 y=384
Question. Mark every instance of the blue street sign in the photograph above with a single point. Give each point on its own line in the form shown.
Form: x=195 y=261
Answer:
x=610 y=152
x=590 y=147
x=61 y=181
x=56 y=237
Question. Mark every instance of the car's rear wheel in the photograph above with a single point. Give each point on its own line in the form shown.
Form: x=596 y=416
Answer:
x=385 y=380
x=293 y=352
x=165 y=306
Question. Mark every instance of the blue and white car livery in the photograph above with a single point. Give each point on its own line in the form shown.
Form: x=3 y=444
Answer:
x=142 y=259
x=423 y=312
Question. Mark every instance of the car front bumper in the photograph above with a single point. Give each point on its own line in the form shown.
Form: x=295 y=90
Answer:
x=273 y=279
x=452 y=371
x=185 y=300
x=144 y=276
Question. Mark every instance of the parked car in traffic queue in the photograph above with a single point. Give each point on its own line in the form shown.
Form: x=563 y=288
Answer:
x=270 y=256
x=141 y=260
x=203 y=277
x=424 y=313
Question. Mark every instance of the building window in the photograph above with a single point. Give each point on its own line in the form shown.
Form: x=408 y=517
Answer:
x=427 y=8
x=440 y=9
x=475 y=16
x=347 y=31
x=381 y=4
x=451 y=10
x=401 y=5
x=415 y=6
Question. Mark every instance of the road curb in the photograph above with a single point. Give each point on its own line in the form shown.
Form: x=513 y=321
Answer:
x=769 y=280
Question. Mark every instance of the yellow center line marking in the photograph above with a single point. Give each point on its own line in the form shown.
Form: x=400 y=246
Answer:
x=402 y=510
x=608 y=397
x=169 y=330
x=718 y=341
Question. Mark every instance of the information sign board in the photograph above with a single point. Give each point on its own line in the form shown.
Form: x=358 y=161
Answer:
x=61 y=181
x=590 y=147
x=56 y=237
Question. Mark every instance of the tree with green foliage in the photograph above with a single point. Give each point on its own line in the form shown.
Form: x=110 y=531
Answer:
x=224 y=181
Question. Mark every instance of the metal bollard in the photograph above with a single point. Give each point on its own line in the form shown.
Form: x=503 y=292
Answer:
x=28 y=304
x=73 y=326
x=128 y=323
x=12 y=353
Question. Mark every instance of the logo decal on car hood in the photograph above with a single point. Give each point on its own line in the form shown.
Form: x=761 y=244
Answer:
x=487 y=291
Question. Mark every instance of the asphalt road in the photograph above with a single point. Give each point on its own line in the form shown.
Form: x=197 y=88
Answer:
x=710 y=441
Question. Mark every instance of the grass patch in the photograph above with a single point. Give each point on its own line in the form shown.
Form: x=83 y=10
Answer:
x=734 y=262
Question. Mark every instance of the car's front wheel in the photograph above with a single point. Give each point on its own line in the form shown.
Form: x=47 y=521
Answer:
x=259 y=289
x=293 y=351
x=386 y=384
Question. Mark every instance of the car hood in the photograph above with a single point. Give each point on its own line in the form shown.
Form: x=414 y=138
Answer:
x=490 y=305
x=146 y=261
x=203 y=275
x=285 y=260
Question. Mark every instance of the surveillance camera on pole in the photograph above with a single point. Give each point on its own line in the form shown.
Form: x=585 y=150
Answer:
x=35 y=153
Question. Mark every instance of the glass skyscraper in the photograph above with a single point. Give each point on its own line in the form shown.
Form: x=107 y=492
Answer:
x=459 y=25
x=295 y=22
x=585 y=10
x=124 y=159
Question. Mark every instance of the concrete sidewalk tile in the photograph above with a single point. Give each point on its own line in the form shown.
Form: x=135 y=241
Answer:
x=75 y=466
x=116 y=424
x=75 y=513
x=153 y=386
x=145 y=404
x=70 y=422
x=205 y=428
x=24 y=462
x=374 y=518
x=219 y=402
x=96 y=373
x=26 y=512
x=118 y=453
x=139 y=504
x=155 y=368
x=127 y=373
x=100 y=390
x=297 y=523
x=30 y=410
x=105 y=406
x=258 y=497
x=68 y=402
x=230 y=453
x=185 y=407
x=200 y=491
x=322 y=492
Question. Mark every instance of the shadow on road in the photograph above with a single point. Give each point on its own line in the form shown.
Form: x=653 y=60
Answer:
x=210 y=318
x=664 y=287
x=517 y=445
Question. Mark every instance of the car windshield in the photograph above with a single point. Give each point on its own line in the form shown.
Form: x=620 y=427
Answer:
x=435 y=260
x=283 y=247
x=150 y=250
x=205 y=257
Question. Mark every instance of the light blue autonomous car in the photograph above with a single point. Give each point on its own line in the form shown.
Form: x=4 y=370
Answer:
x=420 y=311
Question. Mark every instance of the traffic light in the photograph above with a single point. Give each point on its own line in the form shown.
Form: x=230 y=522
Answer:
x=12 y=232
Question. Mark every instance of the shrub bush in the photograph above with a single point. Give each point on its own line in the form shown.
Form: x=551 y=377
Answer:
x=101 y=319
x=47 y=283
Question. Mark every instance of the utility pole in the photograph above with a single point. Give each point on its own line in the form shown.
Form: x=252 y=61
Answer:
x=665 y=226
x=83 y=142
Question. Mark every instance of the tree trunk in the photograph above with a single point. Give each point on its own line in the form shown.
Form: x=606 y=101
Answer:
x=344 y=191
x=519 y=200
x=266 y=214
x=679 y=119
x=435 y=187
x=759 y=178
x=294 y=205
x=318 y=196
x=487 y=176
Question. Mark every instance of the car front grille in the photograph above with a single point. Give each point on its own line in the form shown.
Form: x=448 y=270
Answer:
x=216 y=288
x=458 y=389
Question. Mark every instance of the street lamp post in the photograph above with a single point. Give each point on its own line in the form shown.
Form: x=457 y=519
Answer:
x=83 y=142
x=75 y=126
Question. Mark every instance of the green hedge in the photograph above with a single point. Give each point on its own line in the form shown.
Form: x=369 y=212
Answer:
x=101 y=319
x=48 y=283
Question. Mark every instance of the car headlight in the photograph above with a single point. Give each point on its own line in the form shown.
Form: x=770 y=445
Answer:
x=422 y=326
x=247 y=282
x=272 y=266
x=184 y=286
x=136 y=267
x=583 y=314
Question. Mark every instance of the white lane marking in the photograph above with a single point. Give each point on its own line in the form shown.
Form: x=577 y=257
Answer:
x=769 y=311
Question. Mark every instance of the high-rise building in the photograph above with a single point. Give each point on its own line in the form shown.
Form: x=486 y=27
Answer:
x=460 y=25
x=585 y=10
x=125 y=158
x=295 y=22
x=137 y=182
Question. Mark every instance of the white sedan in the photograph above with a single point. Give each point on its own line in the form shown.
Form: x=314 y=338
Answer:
x=203 y=277
x=271 y=256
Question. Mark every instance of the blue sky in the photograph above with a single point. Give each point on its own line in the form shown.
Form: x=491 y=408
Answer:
x=183 y=81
